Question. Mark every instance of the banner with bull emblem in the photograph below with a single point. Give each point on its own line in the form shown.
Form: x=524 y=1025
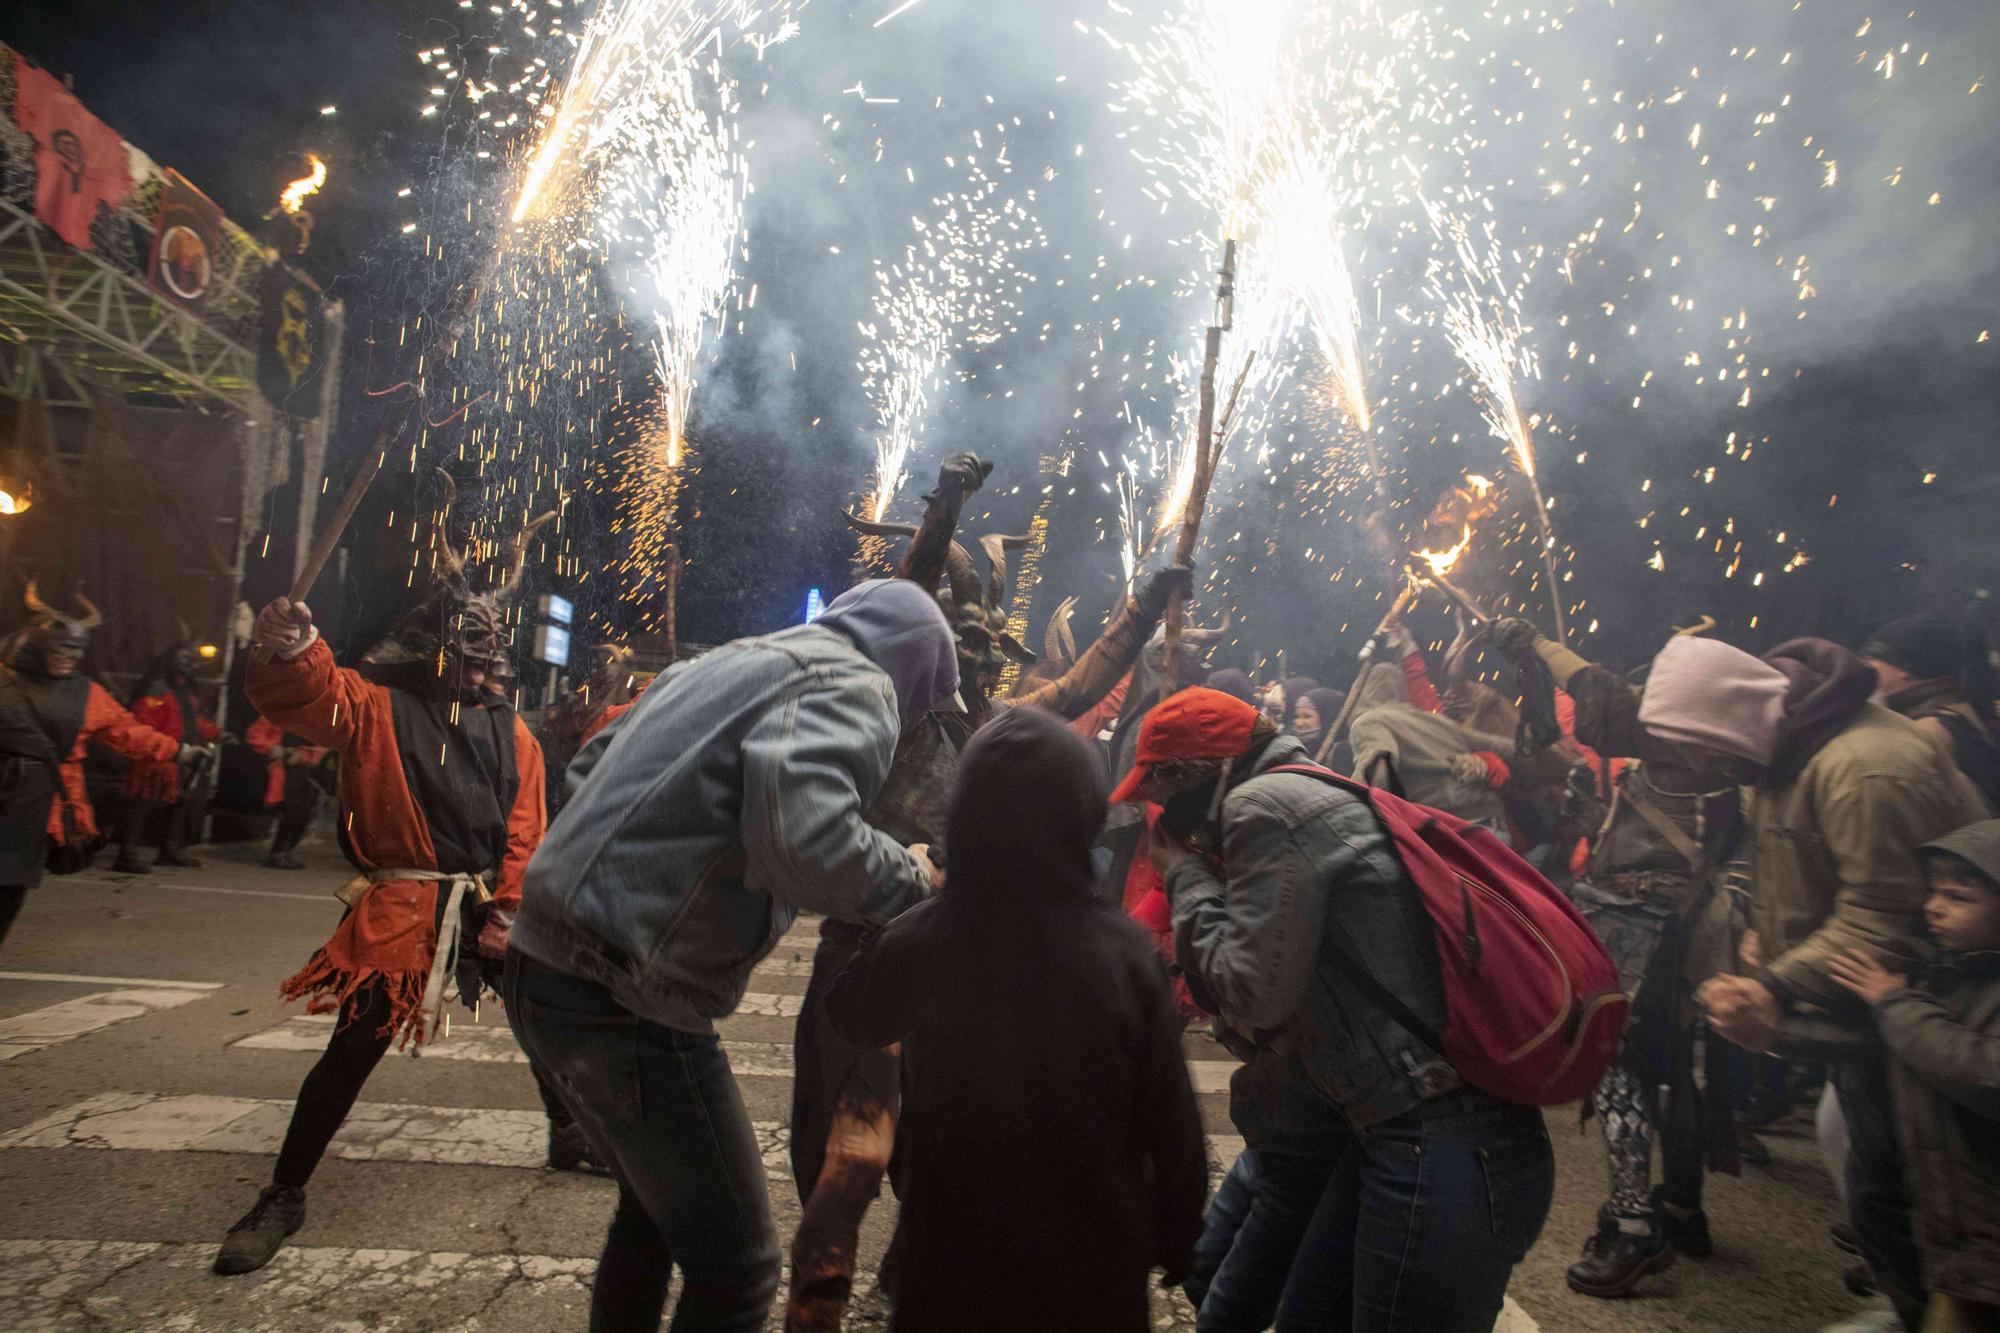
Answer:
x=187 y=244
x=291 y=342
x=81 y=173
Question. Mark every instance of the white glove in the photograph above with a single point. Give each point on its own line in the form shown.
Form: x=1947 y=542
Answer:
x=188 y=754
x=1400 y=641
x=1471 y=769
x=285 y=628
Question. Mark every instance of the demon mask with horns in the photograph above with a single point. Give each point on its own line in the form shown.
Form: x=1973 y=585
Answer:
x=52 y=642
x=454 y=638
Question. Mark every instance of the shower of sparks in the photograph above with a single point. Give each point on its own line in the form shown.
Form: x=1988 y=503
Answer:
x=955 y=289
x=624 y=44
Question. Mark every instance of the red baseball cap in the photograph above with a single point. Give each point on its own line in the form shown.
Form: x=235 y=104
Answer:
x=1197 y=723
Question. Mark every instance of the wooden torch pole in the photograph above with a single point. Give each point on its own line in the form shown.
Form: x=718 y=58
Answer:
x=1204 y=462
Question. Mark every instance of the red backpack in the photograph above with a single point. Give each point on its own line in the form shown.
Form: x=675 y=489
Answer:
x=1534 y=1009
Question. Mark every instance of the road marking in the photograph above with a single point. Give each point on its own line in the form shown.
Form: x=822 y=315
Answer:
x=57 y=1023
x=373 y=1132
x=78 y=979
x=326 y=897
x=494 y=1044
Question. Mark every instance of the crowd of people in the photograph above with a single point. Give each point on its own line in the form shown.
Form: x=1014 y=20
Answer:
x=1030 y=891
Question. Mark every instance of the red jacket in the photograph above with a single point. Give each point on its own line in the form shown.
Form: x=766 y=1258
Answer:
x=111 y=726
x=157 y=781
x=267 y=738
x=391 y=933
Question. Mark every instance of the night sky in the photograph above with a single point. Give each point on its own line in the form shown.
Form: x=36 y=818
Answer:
x=1883 y=401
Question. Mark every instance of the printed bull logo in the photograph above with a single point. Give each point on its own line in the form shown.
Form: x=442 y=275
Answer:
x=185 y=266
x=69 y=153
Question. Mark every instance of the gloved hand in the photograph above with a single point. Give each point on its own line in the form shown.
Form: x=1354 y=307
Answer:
x=492 y=941
x=284 y=628
x=1513 y=636
x=188 y=754
x=1159 y=587
x=1470 y=769
x=960 y=475
x=1400 y=642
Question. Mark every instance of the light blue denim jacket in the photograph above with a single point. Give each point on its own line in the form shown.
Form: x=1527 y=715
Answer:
x=700 y=822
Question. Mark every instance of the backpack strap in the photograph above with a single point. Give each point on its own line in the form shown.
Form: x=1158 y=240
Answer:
x=1674 y=836
x=1378 y=990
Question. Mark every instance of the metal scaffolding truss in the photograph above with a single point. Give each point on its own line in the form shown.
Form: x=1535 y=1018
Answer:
x=109 y=327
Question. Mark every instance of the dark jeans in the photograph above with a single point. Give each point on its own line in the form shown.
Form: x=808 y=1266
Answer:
x=1423 y=1221
x=1879 y=1201
x=662 y=1110
x=1250 y=1237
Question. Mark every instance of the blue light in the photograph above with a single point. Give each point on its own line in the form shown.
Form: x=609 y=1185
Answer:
x=814 y=605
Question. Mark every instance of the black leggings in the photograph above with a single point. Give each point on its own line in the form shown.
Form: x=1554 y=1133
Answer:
x=11 y=898
x=361 y=1037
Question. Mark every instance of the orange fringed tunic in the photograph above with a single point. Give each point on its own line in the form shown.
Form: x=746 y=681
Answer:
x=390 y=934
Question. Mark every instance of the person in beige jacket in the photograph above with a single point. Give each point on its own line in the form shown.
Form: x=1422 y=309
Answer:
x=1843 y=794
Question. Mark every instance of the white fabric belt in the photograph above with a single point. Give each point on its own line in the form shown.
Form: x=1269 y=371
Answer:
x=444 y=958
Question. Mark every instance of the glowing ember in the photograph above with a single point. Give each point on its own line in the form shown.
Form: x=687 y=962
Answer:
x=1441 y=562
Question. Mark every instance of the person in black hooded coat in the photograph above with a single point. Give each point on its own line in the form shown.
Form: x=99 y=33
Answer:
x=1050 y=1154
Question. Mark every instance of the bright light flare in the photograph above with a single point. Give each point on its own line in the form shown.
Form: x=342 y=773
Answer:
x=293 y=197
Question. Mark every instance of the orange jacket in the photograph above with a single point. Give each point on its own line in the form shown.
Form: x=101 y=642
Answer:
x=111 y=726
x=391 y=933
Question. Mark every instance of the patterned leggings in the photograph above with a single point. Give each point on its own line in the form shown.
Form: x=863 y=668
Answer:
x=1627 y=1119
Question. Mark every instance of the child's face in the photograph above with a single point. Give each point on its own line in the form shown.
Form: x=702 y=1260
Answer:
x=1963 y=911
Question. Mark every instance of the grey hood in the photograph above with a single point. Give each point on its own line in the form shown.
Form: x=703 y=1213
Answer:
x=899 y=627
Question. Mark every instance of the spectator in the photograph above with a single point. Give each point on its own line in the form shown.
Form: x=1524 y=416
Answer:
x=1442 y=1188
x=289 y=790
x=1936 y=673
x=1845 y=794
x=1945 y=1039
x=1313 y=714
x=729 y=798
x=1040 y=1182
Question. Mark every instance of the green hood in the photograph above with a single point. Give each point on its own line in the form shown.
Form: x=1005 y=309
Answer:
x=1977 y=843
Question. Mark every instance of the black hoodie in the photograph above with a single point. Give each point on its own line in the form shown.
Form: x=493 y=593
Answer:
x=1050 y=1154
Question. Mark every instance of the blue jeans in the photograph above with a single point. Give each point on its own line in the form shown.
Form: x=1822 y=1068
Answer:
x=662 y=1109
x=1423 y=1221
x=1251 y=1236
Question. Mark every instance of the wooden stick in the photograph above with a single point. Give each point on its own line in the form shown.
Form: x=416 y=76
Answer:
x=1204 y=464
x=1459 y=599
x=322 y=550
x=1402 y=603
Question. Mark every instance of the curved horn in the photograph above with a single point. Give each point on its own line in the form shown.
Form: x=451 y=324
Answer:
x=453 y=562
x=517 y=557
x=38 y=607
x=964 y=579
x=92 y=617
x=996 y=546
x=1195 y=635
x=1058 y=640
x=871 y=529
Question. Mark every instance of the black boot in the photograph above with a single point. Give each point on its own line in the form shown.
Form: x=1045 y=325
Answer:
x=569 y=1150
x=128 y=864
x=174 y=856
x=280 y=1210
x=1689 y=1234
x=1615 y=1259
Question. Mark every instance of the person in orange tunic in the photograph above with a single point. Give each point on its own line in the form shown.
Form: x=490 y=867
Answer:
x=49 y=716
x=166 y=702
x=441 y=787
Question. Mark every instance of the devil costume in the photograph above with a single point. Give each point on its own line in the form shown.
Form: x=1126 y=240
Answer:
x=48 y=718
x=166 y=702
x=441 y=798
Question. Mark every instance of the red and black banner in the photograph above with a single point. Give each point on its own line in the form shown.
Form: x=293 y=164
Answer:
x=187 y=245
x=82 y=174
x=291 y=342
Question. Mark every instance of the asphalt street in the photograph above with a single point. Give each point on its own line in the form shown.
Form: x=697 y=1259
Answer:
x=147 y=1068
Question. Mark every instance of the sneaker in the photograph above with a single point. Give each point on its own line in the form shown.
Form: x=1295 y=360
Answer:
x=1860 y=1280
x=1615 y=1259
x=569 y=1150
x=1689 y=1234
x=283 y=861
x=1843 y=1236
x=127 y=865
x=280 y=1210
x=177 y=858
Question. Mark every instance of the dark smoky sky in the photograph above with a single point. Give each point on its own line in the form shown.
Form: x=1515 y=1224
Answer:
x=1870 y=428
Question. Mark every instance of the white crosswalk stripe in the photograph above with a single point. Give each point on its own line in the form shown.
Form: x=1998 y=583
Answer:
x=54 y=1024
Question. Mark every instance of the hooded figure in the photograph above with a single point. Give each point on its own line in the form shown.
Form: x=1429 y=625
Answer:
x=166 y=702
x=1314 y=712
x=1432 y=757
x=1040 y=1182
x=727 y=800
x=1232 y=682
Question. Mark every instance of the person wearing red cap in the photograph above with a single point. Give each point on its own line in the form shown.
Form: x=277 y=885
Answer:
x=1261 y=867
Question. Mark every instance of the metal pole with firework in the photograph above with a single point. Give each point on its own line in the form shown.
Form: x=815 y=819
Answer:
x=1204 y=446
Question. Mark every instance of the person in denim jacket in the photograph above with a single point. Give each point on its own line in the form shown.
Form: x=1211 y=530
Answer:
x=1443 y=1188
